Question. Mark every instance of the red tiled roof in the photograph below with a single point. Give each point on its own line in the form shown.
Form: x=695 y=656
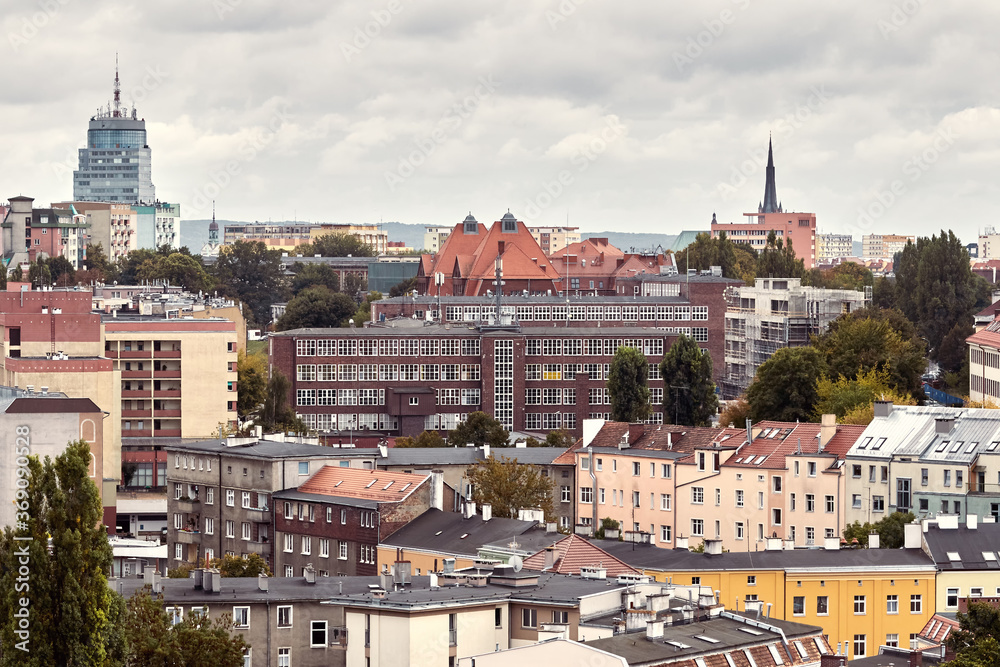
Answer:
x=378 y=485
x=989 y=311
x=786 y=438
x=937 y=628
x=984 y=337
x=573 y=552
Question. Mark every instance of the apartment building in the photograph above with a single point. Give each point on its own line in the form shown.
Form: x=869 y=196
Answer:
x=862 y=598
x=554 y=239
x=219 y=493
x=158 y=224
x=965 y=554
x=984 y=359
x=30 y=234
x=337 y=518
x=925 y=460
x=178 y=375
x=434 y=237
x=884 y=246
x=275 y=235
x=773 y=314
x=833 y=246
x=369 y=234
x=115 y=226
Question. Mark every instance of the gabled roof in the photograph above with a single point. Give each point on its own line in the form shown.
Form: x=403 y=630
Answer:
x=912 y=430
x=938 y=628
x=574 y=552
x=776 y=440
x=965 y=548
x=377 y=485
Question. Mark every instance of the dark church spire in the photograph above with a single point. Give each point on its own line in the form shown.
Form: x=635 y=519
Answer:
x=770 y=196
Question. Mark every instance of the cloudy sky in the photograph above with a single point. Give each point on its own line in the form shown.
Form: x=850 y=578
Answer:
x=631 y=116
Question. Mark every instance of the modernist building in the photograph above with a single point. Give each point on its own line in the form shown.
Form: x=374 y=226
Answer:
x=369 y=234
x=773 y=314
x=113 y=226
x=984 y=358
x=158 y=224
x=30 y=234
x=884 y=246
x=833 y=246
x=554 y=239
x=289 y=235
x=788 y=226
x=434 y=238
x=116 y=165
x=965 y=554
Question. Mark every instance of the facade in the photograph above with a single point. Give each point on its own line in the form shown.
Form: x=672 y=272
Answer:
x=116 y=165
x=884 y=246
x=925 y=460
x=989 y=244
x=966 y=558
x=773 y=314
x=434 y=238
x=554 y=239
x=158 y=224
x=799 y=229
x=30 y=234
x=275 y=235
x=861 y=598
x=406 y=378
x=112 y=225
x=219 y=494
x=984 y=361
x=178 y=375
x=338 y=517
x=832 y=246
x=368 y=234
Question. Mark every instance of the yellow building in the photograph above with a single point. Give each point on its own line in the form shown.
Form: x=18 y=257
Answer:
x=862 y=598
x=965 y=555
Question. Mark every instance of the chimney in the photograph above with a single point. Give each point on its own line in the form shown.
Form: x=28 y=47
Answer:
x=681 y=542
x=911 y=536
x=199 y=578
x=772 y=544
x=916 y=659
x=401 y=572
x=448 y=565
x=501 y=245
x=873 y=540
x=550 y=557
x=713 y=547
x=670 y=441
x=309 y=573
x=831 y=543
x=262 y=582
x=469 y=510
x=437 y=489
x=654 y=629
x=971 y=521
x=883 y=408
x=943 y=425
x=827 y=429
x=487 y=511
x=486 y=451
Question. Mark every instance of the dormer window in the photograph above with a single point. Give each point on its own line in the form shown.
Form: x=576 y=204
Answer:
x=509 y=226
x=471 y=228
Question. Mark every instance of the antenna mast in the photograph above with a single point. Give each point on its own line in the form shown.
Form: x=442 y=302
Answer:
x=118 y=92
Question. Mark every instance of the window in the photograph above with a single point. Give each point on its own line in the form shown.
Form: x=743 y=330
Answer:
x=241 y=617
x=859 y=605
x=799 y=605
x=498 y=617
x=830 y=506
x=822 y=605
x=859 y=646
x=775 y=484
x=856 y=501
x=739 y=497
x=878 y=503
x=775 y=516
x=636 y=469
x=176 y=614
x=285 y=616
x=342 y=550
x=665 y=470
x=697 y=527
x=947 y=478
x=529 y=618
x=246 y=531
x=561 y=617
x=289 y=543
x=317 y=634
x=324 y=548
x=892 y=639
x=665 y=501
x=697 y=495
x=916 y=604
x=284 y=657
x=209 y=526
x=230 y=498
x=586 y=494
x=812 y=468
x=751 y=580
x=566 y=494
x=810 y=502
x=892 y=604
x=245 y=496
x=952 y=598
x=665 y=533
x=343 y=517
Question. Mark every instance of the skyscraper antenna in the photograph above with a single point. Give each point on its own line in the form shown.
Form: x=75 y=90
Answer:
x=118 y=90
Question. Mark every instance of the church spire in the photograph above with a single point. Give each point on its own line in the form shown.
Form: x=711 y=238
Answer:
x=770 y=204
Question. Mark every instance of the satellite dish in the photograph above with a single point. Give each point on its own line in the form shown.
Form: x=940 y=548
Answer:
x=516 y=563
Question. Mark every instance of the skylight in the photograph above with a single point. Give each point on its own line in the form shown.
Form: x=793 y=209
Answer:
x=971 y=448
x=339 y=482
x=705 y=638
x=438 y=533
x=820 y=646
x=989 y=555
x=369 y=484
x=751 y=631
x=993 y=446
x=943 y=446
x=953 y=556
x=773 y=433
x=957 y=446
x=699 y=662
x=463 y=536
x=739 y=460
x=760 y=459
x=864 y=443
x=775 y=654
x=746 y=652
x=729 y=659
x=405 y=487
x=387 y=486
x=678 y=645
x=801 y=649
x=878 y=443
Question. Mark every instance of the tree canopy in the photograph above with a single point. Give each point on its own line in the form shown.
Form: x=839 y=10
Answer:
x=689 y=396
x=317 y=307
x=312 y=275
x=252 y=273
x=852 y=399
x=479 y=429
x=627 y=385
x=981 y=623
x=777 y=259
x=241 y=566
x=251 y=385
x=424 y=439
x=891 y=534
x=337 y=244
x=276 y=414
x=784 y=388
x=737 y=260
x=509 y=486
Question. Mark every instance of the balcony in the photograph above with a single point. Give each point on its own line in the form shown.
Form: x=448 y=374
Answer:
x=260 y=514
x=164 y=393
x=167 y=433
x=137 y=433
x=111 y=354
x=189 y=537
x=166 y=374
x=135 y=354
x=142 y=375
x=188 y=505
x=136 y=413
x=136 y=393
x=164 y=413
x=255 y=547
x=167 y=354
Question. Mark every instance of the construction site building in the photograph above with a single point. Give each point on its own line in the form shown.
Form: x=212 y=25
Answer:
x=777 y=313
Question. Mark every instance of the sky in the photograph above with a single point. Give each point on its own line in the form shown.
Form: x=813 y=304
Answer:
x=626 y=116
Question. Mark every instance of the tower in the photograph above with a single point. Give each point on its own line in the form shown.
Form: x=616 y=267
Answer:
x=211 y=249
x=771 y=204
x=116 y=165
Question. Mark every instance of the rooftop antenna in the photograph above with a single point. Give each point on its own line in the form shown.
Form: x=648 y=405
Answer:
x=118 y=90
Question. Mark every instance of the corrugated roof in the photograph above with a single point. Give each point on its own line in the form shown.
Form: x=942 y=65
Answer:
x=574 y=552
x=911 y=430
x=379 y=485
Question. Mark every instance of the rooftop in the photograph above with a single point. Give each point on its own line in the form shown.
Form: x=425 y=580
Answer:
x=574 y=552
x=253 y=448
x=963 y=548
x=375 y=485
x=451 y=533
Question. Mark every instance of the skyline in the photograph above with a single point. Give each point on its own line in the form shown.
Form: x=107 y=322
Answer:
x=419 y=113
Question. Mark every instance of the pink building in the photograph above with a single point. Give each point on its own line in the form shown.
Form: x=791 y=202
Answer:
x=799 y=228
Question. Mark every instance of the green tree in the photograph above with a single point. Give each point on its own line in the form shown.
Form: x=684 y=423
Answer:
x=178 y=269
x=403 y=287
x=853 y=399
x=425 y=439
x=737 y=260
x=62 y=271
x=311 y=275
x=777 y=260
x=784 y=388
x=884 y=293
x=130 y=266
x=317 y=307
x=251 y=376
x=735 y=413
x=276 y=414
x=952 y=352
x=337 y=244
x=848 y=276
x=17 y=274
x=890 y=530
x=354 y=286
x=38 y=274
x=101 y=268
x=981 y=622
x=197 y=640
x=627 y=385
x=364 y=311
x=241 y=566
x=479 y=429
x=983 y=653
x=509 y=486
x=689 y=392
x=64 y=549
x=252 y=273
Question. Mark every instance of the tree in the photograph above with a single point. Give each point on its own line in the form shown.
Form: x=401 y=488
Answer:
x=890 y=530
x=16 y=274
x=250 y=272
x=984 y=652
x=99 y=265
x=38 y=274
x=627 y=385
x=784 y=388
x=735 y=413
x=338 y=244
x=777 y=260
x=354 y=285
x=156 y=641
x=952 y=352
x=317 y=307
x=846 y=276
x=981 y=622
x=856 y=396
x=241 y=566
x=425 y=439
x=403 y=288
x=737 y=260
x=130 y=266
x=364 y=311
x=61 y=270
x=311 y=275
x=276 y=414
x=689 y=391
x=178 y=269
x=480 y=429
x=509 y=486
x=73 y=612
x=884 y=293
x=251 y=382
